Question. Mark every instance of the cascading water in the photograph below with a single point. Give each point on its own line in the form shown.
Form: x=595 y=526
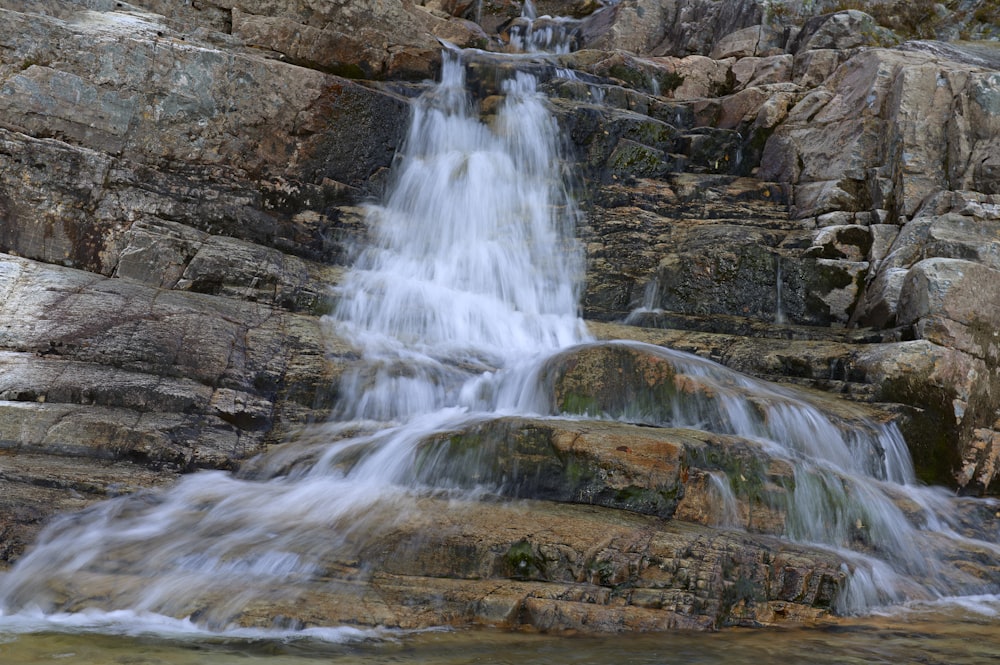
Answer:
x=471 y=261
x=472 y=271
x=542 y=34
x=468 y=288
x=779 y=306
x=650 y=295
x=851 y=481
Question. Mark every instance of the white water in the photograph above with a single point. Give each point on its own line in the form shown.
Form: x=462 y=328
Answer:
x=542 y=34
x=470 y=282
x=650 y=298
x=472 y=271
x=726 y=506
x=779 y=306
x=471 y=261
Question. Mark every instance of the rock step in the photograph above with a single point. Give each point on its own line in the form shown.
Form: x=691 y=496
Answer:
x=741 y=326
x=530 y=564
x=853 y=390
x=681 y=196
x=156 y=440
x=812 y=357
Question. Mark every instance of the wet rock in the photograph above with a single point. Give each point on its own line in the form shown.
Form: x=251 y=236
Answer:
x=38 y=487
x=683 y=245
x=653 y=471
x=944 y=390
x=752 y=183
x=212 y=383
x=540 y=565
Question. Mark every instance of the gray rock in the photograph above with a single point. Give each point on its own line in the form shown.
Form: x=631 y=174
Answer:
x=230 y=365
x=689 y=27
x=755 y=40
x=763 y=71
x=952 y=302
x=841 y=30
x=154 y=99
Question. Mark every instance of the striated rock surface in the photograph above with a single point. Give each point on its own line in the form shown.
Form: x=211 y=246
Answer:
x=805 y=196
x=537 y=565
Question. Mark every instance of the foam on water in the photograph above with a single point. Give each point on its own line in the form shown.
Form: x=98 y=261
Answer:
x=140 y=624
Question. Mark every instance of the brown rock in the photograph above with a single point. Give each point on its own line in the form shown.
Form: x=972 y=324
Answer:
x=573 y=568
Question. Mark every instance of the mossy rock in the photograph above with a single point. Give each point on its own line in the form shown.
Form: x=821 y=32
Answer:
x=613 y=379
x=637 y=160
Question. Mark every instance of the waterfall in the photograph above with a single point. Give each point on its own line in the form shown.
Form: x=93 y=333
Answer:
x=472 y=258
x=779 y=307
x=531 y=33
x=468 y=286
x=650 y=302
x=726 y=506
x=471 y=274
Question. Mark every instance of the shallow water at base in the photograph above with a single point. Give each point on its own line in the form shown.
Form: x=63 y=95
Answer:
x=954 y=636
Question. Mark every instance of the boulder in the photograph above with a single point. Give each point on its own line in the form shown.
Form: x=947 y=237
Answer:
x=841 y=30
x=951 y=302
x=689 y=27
x=951 y=401
x=711 y=479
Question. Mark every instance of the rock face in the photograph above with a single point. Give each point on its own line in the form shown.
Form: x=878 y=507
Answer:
x=542 y=566
x=803 y=196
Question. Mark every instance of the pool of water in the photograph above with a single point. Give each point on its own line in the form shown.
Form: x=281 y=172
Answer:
x=954 y=635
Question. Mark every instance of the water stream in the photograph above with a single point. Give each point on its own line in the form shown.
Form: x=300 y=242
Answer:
x=469 y=284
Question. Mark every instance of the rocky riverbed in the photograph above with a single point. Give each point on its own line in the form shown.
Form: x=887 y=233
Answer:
x=810 y=197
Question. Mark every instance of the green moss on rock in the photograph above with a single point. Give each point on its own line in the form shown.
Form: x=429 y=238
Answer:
x=521 y=561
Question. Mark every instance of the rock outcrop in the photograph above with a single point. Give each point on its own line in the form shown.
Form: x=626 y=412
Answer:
x=807 y=197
